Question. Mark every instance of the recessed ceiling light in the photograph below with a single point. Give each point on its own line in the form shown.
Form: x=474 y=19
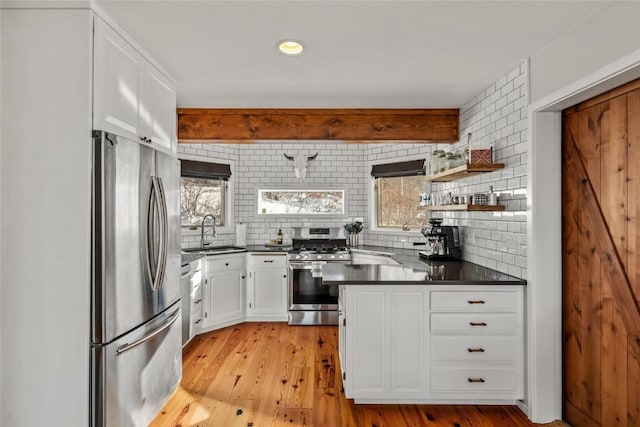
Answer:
x=290 y=47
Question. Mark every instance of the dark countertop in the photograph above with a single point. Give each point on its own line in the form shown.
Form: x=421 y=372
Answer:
x=411 y=270
x=263 y=248
x=187 y=257
x=414 y=270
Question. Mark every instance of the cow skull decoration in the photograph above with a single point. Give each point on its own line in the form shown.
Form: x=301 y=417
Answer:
x=300 y=163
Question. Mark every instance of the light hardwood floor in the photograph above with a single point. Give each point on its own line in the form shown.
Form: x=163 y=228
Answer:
x=272 y=374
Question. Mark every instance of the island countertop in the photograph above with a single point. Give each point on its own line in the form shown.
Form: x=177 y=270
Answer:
x=416 y=272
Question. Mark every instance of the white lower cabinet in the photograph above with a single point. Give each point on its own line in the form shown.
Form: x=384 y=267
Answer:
x=384 y=342
x=267 y=286
x=432 y=343
x=342 y=331
x=224 y=291
x=477 y=343
x=195 y=297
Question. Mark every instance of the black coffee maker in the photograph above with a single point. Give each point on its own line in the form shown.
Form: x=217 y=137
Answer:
x=443 y=241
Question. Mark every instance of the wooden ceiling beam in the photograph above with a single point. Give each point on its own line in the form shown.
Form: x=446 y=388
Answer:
x=351 y=125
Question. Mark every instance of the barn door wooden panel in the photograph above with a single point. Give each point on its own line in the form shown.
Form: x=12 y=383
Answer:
x=601 y=319
x=633 y=244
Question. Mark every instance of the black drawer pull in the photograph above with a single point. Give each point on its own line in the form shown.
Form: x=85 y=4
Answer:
x=226 y=263
x=268 y=260
x=197 y=301
x=475 y=350
x=475 y=380
x=478 y=301
x=477 y=324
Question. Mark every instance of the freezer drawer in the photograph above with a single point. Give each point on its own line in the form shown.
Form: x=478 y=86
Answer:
x=133 y=376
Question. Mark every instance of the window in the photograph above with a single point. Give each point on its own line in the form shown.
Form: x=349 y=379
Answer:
x=203 y=190
x=396 y=194
x=301 y=202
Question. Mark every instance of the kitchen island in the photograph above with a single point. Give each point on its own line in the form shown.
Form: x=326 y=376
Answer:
x=429 y=332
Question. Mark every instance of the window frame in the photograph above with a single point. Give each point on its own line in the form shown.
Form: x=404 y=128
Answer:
x=373 y=201
x=327 y=188
x=229 y=226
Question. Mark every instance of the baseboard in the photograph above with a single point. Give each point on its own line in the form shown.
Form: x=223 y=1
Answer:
x=523 y=407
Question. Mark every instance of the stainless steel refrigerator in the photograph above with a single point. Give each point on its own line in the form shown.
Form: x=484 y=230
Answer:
x=136 y=359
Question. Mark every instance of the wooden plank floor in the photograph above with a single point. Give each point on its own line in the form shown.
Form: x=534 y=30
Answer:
x=272 y=374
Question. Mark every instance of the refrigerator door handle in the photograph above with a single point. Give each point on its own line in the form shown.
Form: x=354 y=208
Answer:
x=150 y=234
x=164 y=234
x=126 y=347
x=155 y=220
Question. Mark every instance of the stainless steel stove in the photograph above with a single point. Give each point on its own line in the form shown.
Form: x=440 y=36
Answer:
x=310 y=301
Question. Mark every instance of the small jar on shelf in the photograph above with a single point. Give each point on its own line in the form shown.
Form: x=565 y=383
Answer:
x=435 y=161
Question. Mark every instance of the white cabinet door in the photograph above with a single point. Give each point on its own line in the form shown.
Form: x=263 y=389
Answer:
x=224 y=291
x=118 y=70
x=132 y=98
x=227 y=297
x=366 y=343
x=268 y=296
x=385 y=342
x=159 y=107
x=267 y=286
x=342 y=332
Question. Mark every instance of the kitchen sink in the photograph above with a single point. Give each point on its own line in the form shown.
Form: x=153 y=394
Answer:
x=215 y=250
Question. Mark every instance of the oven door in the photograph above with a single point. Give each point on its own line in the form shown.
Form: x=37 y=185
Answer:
x=306 y=290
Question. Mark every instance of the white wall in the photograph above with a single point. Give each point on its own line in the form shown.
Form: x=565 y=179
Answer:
x=608 y=34
x=45 y=217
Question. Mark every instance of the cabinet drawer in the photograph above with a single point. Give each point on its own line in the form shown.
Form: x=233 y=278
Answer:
x=470 y=300
x=464 y=379
x=480 y=323
x=218 y=264
x=196 y=321
x=196 y=302
x=267 y=260
x=474 y=348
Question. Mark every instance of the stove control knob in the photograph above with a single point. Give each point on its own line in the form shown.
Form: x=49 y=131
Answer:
x=341 y=256
x=319 y=257
x=297 y=256
x=333 y=256
x=305 y=256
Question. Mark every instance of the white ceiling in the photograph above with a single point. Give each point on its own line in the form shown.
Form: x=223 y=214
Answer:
x=359 y=54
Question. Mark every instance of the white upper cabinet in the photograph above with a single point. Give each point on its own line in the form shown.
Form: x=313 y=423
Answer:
x=160 y=105
x=132 y=97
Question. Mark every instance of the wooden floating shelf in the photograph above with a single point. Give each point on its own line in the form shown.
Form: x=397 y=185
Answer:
x=476 y=208
x=465 y=171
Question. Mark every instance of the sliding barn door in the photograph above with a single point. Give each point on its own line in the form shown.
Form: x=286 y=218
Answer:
x=601 y=257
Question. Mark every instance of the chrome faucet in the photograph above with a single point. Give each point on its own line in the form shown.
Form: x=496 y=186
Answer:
x=213 y=228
